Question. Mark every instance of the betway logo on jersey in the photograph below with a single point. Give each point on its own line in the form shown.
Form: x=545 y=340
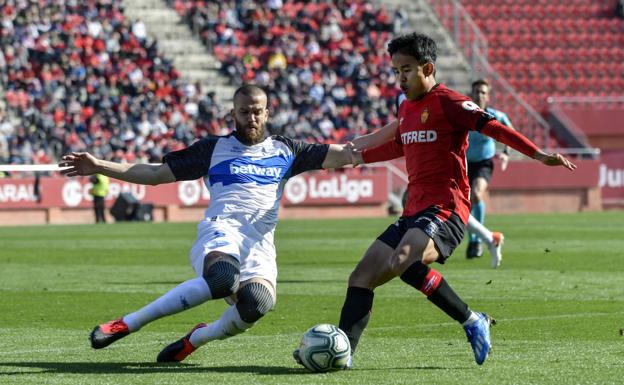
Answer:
x=420 y=136
x=252 y=169
x=263 y=171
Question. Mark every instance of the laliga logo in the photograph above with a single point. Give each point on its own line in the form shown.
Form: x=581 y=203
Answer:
x=298 y=189
x=72 y=193
x=190 y=192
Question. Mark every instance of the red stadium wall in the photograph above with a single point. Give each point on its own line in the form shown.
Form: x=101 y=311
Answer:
x=602 y=127
x=530 y=185
x=524 y=187
x=62 y=200
x=611 y=179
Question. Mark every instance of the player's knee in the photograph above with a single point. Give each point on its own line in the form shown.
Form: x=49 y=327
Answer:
x=364 y=278
x=254 y=301
x=397 y=263
x=222 y=276
x=358 y=277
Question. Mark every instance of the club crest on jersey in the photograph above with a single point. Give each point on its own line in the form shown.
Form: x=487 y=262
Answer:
x=424 y=115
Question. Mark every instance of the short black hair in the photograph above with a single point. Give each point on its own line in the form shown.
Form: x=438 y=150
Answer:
x=251 y=90
x=481 y=82
x=418 y=45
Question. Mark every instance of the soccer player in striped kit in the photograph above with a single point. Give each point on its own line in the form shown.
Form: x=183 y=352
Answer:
x=233 y=256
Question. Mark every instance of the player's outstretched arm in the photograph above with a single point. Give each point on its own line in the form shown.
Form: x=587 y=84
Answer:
x=554 y=160
x=340 y=155
x=83 y=163
x=520 y=143
x=377 y=138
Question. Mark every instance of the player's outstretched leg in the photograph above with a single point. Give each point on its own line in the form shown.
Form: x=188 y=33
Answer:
x=219 y=280
x=494 y=240
x=438 y=291
x=180 y=349
x=410 y=261
x=372 y=271
x=187 y=294
x=478 y=333
x=107 y=333
x=495 y=248
x=477 y=211
x=355 y=315
x=255 y=299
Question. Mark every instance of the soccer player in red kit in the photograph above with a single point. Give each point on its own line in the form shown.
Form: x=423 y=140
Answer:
x=431 y=132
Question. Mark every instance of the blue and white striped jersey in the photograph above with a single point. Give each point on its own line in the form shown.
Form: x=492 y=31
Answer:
x=242 y=179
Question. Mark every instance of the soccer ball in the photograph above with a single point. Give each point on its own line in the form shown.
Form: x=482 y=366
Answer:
x=323 y=348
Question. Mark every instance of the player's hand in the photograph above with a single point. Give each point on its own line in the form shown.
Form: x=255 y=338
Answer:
x=78 y=163
x=504 y=159
x=354 y=154
x=555 y=160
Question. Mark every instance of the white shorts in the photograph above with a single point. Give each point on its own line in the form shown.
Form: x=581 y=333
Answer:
x=250 y=243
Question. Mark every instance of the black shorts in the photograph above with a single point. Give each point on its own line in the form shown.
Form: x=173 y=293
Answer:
x=446 y=234
x=482 y=169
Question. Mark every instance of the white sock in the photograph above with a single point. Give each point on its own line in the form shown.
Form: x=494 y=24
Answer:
x=229 y=325
x=184 y=296
x=473 y=317
x=474 y=226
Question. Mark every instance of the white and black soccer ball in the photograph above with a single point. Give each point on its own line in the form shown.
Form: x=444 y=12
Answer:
x=323 y=348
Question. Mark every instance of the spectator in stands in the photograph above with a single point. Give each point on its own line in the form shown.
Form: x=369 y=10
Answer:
x=88 y=78
x=619 y=9
x=82 y=75
x=480 y=155
x=306 y=52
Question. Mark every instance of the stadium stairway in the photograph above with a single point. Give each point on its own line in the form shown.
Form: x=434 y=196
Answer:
x=176 y=41
x=453 y=69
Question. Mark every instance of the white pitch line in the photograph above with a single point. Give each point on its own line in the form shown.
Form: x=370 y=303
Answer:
x=30 y=167
x=418 y=326
x=120 y=346
x=58 y=350
x=514 y=319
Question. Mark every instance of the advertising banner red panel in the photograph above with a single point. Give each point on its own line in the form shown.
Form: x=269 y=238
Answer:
x=612 y=177
x=323 y=188
x=337 y=188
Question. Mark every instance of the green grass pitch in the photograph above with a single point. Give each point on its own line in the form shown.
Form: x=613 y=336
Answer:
x=558 y=299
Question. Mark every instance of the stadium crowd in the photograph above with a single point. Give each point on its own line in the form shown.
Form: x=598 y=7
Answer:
x=78 y=75
x=324 y=63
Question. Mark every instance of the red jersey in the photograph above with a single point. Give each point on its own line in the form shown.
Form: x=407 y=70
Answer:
x=433 y=136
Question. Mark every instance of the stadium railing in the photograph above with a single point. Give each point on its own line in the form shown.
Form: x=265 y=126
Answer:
x=472 y=43
x=397 y=182
x=588 y=119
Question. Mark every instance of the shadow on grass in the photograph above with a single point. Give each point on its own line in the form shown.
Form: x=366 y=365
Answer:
x=140 y=368
x=284 y=281
x=173 y=283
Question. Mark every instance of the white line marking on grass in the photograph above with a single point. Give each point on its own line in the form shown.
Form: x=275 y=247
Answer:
x=58 y=350
x=135 y=344
x=293 y=335
x=514 y=319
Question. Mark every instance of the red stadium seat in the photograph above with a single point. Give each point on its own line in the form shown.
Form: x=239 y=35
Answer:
x=553 y=47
